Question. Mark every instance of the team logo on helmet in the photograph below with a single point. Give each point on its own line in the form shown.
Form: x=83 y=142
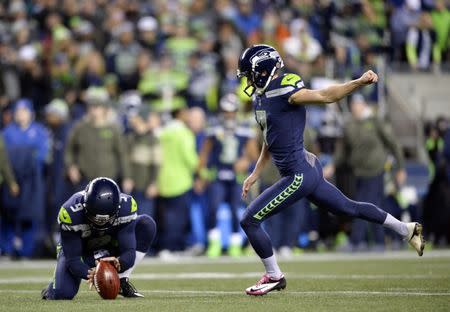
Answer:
x=258 y=64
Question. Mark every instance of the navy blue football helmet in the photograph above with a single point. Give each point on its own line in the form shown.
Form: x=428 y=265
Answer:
x=102 y=202
x=259 y=64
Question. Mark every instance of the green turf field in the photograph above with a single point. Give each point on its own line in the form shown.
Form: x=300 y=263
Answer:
x=316 y=282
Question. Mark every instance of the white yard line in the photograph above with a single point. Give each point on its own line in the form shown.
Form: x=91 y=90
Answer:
x=301 y=293
x=201 y=293
x=228 y=275
x=6 y=264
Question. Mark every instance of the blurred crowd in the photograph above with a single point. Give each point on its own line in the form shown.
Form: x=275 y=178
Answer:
x=146 y=92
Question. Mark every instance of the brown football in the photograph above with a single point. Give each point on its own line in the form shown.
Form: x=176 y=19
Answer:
x=106 y=280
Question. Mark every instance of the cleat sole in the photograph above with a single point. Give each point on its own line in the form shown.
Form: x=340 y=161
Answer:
x=418 y=232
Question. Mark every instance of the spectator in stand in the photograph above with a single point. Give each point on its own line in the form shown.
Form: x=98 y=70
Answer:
x=90 y=70
x=27 y=144
x=58 y=123
x=181 y=45
x=440 y=17
x=7 y=178
x=274 y=30
x=168 y=91
x=175 y=181
x=197 y=123
x=63 y=58
x=410 y=30
x=202 y=88
x=34 y=83
x=149 y=37
x=122 y=55
x=301 y=48
x=95 y=147
x=145 y=158
x=248 y=21
x=366 y=144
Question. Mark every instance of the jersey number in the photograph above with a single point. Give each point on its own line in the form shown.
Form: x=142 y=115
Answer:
x=261 y=119
x=77 y=207
x=230 y=146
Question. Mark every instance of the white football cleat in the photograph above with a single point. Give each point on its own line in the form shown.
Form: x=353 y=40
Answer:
x=266 y=284
x=415 y=238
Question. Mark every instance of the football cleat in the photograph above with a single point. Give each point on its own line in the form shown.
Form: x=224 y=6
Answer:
x=266 y=284
x=415 y=238
x=127 y=289
x=44 y=293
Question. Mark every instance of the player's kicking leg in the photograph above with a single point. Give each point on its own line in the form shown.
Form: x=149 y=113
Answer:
x=273 y=200
x=145 y=232
x=328 y=196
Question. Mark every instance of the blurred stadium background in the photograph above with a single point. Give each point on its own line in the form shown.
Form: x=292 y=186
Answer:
x=87 y=86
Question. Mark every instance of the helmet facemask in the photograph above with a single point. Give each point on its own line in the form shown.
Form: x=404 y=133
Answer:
x=101 y=221
x=264 y=65
x=102 y=202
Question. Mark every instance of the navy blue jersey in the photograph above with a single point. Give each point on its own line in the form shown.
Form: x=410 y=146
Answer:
x=81 y=242
x=72 y=220
x=227 y=147
x=282 y=123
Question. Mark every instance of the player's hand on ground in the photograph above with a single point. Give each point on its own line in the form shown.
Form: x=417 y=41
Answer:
x=368 y=77
x=113 y=260
x=251 y=179
x=90 y=277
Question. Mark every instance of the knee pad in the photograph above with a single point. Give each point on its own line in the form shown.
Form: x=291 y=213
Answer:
x=145 y=232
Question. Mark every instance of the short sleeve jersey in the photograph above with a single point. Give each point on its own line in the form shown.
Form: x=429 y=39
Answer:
x=282 y=123
x=72 y=218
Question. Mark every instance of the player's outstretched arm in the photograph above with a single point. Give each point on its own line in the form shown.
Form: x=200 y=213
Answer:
x=333 y=93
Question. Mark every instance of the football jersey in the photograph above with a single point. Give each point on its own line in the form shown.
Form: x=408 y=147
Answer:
x=227 y=147
x=72 y=218
x=282 y=123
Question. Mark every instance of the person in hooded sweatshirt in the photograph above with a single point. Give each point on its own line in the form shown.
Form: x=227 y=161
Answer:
x=27 y=145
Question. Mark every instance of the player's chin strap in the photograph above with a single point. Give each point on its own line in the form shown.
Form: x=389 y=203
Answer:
x=272 y=73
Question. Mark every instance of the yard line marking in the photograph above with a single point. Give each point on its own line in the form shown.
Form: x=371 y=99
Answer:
x=324 y=292
x=306 y=257
x=229 y=275
x=200 y=293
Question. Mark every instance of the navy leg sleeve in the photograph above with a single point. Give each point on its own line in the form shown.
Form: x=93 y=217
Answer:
x=329 y=197
x=273 y=200
x=64 y=285
x=145 y=232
